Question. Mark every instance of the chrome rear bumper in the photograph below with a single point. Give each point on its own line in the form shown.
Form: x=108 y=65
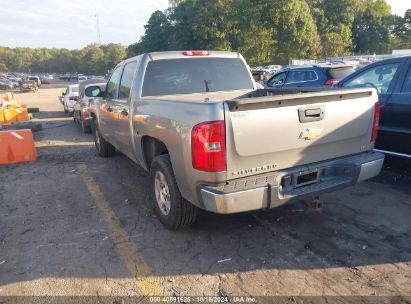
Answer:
x=275 y=189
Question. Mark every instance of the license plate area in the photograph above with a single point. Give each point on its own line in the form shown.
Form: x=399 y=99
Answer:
x=305 y=178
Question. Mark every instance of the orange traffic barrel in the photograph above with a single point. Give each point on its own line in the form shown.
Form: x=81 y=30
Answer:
x=17 y=146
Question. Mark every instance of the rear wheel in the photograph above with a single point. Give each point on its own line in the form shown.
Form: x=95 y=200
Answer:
x=84 y=127
x=172 y=209
x=104 y=148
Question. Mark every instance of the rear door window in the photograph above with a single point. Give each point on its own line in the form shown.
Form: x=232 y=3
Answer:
x=301 y=76
x=127 y=80
x=195 y=75
x=112 y=84
x=295 y=76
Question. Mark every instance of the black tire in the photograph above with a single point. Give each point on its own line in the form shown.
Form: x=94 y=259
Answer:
x=103 y=147
x=181 y=212
x=33 y=110
x=84 y=128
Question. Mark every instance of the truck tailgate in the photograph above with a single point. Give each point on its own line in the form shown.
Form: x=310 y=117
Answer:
x=277 y=132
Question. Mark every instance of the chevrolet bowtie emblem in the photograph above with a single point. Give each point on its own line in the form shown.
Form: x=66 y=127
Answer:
x=311 y=133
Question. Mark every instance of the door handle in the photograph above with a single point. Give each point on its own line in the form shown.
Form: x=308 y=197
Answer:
x=310 y=114
x=313 y=113
x=124 y=113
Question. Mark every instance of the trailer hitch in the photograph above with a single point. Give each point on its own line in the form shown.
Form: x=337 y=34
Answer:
x=314 y=203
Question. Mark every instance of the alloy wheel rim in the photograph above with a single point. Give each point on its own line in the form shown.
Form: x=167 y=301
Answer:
x=162 y=192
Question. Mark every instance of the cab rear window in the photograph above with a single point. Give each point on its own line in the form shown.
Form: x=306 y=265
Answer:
x=195 y=75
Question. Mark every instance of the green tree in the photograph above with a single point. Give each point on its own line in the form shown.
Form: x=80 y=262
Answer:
x=296 y=33
x=252 y=29
x=114 y=53
x=371 y=28
x=401 y=30
x=334 y=21
x=157 y=30
x=91 y=59
x=3 y=67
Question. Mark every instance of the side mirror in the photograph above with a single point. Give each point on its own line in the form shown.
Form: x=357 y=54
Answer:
x=92 y=91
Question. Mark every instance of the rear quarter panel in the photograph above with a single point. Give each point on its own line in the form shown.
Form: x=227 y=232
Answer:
x=171 y=122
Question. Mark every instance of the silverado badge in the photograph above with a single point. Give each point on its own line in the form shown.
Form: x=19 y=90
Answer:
x=311 y=133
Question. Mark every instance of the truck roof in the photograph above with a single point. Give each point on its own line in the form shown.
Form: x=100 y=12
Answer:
x=192 y=54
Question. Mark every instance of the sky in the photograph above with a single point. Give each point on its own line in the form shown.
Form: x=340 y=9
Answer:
x=72 y=23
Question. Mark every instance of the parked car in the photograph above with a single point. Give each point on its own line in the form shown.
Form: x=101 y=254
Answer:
x=15 y=80
x=70 y=98
x=36 y=79
x=217 y=143
x=88 y=91
x=68 y=77
x=392 y=79
x=81 y=77
x=5 y=85
x=45 y=80
x=29 y=86
x=309 y=76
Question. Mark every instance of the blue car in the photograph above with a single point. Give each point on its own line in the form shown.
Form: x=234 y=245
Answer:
x=309 y=76
x=392 y=80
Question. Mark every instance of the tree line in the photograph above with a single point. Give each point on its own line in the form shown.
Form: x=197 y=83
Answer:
x=264 y=31
x=93 y=59
x=275 y=31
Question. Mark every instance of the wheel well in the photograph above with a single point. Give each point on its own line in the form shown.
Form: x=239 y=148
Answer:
x=152 y=147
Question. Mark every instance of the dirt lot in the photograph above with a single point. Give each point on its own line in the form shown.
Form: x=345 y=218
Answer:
x=72 y=223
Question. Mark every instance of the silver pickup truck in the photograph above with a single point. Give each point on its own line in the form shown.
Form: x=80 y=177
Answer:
x=211 y=140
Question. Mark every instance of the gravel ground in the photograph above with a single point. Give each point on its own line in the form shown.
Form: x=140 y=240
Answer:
x=72 y=224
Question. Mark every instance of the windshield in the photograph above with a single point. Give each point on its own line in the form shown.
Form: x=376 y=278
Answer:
x=378 y=77
x=195 y=75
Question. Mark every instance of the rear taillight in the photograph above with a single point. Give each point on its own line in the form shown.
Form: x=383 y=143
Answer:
x=376 y=122
x=196 y=53
x=330 y=81
x=208 y=146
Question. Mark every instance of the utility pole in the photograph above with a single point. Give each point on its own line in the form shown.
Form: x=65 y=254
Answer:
x=98 y=29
